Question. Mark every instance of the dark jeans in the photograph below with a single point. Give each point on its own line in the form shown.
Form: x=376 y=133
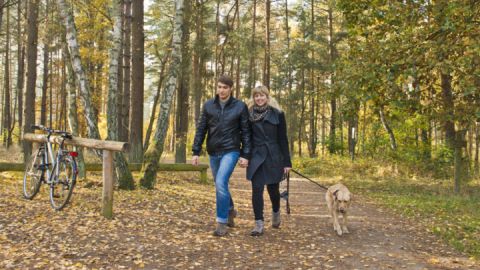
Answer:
x=257 y=198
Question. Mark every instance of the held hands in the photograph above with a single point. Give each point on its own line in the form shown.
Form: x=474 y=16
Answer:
x=195 y=160
x=243 y=162
x=286 y=170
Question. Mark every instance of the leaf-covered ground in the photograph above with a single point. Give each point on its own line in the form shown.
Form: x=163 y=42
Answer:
x=170 y=228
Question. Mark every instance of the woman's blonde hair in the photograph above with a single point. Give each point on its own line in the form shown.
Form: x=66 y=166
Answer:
x=272 y=102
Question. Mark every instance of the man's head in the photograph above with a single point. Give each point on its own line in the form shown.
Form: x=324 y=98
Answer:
x=224 y=87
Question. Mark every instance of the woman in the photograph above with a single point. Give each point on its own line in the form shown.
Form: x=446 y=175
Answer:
x=270 y=155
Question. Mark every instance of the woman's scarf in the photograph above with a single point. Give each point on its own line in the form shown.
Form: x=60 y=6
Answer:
x=257 y=113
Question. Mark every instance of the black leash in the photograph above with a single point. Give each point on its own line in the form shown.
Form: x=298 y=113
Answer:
x=315 y=182
x=284 y=194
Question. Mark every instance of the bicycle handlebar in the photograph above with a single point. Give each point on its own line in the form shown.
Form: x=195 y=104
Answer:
x=52 y=131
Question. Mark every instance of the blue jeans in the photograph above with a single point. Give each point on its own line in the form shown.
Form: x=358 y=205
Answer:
x=222 y=166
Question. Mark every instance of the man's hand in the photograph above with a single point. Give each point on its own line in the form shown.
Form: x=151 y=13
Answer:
x=286 y=170
x=243 y=162
x=195 y=160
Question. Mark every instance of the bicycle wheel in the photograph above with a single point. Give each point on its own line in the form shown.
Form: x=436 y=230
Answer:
x=34 y=173
x=62 y=186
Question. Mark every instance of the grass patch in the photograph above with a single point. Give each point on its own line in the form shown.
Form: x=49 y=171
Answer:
x=430 y=201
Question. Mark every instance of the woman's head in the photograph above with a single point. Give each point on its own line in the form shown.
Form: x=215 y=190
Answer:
x=261 y=96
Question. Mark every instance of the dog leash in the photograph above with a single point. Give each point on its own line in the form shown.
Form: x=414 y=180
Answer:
x=315 y=182
x=284 y=195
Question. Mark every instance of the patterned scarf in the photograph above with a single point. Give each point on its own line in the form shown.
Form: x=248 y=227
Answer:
x=257 y=113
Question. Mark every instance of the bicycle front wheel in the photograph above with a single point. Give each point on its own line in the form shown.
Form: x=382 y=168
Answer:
x=34 y=172
x=62 y=186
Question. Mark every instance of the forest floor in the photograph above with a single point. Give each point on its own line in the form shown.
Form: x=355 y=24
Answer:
x=171 y=228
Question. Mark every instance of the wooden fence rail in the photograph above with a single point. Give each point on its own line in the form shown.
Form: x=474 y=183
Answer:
x=164 y=167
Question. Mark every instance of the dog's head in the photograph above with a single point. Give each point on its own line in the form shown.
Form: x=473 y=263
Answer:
x=342 y=200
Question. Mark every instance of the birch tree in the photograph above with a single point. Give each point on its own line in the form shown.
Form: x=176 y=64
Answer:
x=72 y=41
x=155 y=149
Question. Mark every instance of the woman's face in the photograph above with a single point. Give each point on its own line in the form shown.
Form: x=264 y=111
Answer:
x=260 y=99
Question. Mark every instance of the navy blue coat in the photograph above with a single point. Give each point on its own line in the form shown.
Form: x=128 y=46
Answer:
x=270 y=153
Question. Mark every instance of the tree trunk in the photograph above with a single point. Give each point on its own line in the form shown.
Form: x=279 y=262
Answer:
x=124 y=128
x=198 y=58
x=449 y=125
x=20 y=69
x=448 y=107
x=238 y=51
x=32 y=31
x=72 y=41
x=183 y=90
x=72 y=110
x=217 y=34
x=7 y=109
x=393 y=143
x=2 y=2
x=251 y=67
x=156 y=97
x=124 y=176
x=290 y=116
x=333 y=101
x=266 y=65
x=155 y=149
x=136 y=103
x=120 y=72
x=43 y=107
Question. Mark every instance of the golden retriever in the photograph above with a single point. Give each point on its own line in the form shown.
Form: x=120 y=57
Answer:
x=338 y=199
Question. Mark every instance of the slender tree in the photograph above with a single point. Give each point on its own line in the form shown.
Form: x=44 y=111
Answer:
x=20 y=68
x=136 y=101
x=124 y=128
x=72 y=41
x=124 y=176
x=183 y=89
x=155 y=149
x=7 y=114
x=32 y=32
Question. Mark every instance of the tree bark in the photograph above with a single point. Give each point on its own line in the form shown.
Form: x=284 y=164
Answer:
x=198 y=58
x=251 y=67
x=72 y=41
x=156 y=98
x=183 y=90
x=391 y=135
x=7 y=133
x=32 y=31
x=124 y=176
x=266 y=65
x=333 y=101
x=124 y=128
x=136 y=98
x=20 y=69
x=155 y=149
x=72 y=109
x=43 y=107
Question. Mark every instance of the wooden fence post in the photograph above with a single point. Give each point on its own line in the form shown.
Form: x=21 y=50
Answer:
x=107 y=198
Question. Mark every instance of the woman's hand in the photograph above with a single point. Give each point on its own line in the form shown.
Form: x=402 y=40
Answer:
x=286 y=170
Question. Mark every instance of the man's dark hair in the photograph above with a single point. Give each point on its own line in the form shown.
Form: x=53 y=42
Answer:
x=225 y=79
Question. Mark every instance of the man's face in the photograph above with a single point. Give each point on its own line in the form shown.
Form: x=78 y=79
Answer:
x=223 y=91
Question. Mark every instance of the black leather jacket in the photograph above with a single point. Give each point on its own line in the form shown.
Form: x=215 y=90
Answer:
x=225 y=129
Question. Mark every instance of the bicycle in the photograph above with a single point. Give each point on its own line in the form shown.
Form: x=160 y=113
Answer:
x=59 y=171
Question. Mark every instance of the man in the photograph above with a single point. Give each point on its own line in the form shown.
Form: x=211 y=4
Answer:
x=224 y=120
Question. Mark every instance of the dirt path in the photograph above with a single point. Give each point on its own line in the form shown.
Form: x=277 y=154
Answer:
x=170 y=228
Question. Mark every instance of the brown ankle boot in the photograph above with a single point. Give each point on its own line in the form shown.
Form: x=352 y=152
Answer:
x=221 y=229
x=232 y=213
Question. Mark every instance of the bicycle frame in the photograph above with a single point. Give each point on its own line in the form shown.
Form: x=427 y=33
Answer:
x=55 y=160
